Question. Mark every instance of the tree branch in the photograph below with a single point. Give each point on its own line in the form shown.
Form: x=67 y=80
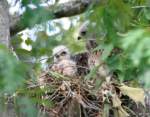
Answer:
x=68 y=9
x=4 y=23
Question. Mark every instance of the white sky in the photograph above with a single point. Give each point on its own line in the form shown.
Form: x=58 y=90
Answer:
x=65 y=22
x=15 y=8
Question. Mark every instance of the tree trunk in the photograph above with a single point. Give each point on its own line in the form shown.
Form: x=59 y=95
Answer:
x=4 y=39
x=4 y=23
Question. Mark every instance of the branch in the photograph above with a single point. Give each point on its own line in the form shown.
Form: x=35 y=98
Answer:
x=4 y=23
x=68 y=9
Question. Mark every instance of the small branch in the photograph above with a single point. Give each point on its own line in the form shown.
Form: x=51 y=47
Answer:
x=138 y=7
x=68 y=9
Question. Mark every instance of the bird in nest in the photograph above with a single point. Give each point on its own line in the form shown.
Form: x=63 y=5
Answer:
x=93 y=56
x=63 y=63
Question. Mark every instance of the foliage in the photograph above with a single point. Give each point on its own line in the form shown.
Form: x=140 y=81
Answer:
x=122 y=24
x=14 y=75
x=9 y=73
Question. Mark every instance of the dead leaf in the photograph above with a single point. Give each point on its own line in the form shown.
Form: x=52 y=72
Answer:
x=122 y=112
x=136 y=94
x=116 y=101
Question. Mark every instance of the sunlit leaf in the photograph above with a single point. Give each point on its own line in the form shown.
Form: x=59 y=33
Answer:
x=137 y=94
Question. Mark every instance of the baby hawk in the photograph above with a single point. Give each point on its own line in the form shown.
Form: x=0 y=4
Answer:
x=93 y=56
x=63 y=63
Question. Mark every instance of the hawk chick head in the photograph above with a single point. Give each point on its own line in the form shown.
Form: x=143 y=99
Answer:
x=61 y=52
x=83 y=30
x=84 y=33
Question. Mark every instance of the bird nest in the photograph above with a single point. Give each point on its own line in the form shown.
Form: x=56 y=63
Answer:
x=77 y=97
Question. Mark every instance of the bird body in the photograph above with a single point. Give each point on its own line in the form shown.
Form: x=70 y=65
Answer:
x=65 y=67
x=94 y=56
x=63 y=63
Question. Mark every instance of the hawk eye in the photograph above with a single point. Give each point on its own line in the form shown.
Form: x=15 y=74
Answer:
x=83 y=33
x=63 y=53
x=57 y=56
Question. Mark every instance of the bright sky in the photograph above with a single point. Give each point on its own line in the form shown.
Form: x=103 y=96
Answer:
x=15 y=8
x=30 y=33
x=63 y=1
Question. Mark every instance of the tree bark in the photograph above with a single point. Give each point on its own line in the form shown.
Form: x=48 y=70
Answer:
x=71 y=8
x=9 y=111
x=4 y=23
x=4 y=39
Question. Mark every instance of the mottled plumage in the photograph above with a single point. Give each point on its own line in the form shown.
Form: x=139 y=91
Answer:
x=93 y=57
x=63 y=63
x=81 y=63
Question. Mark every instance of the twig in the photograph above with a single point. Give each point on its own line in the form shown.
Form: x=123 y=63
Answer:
x=138 y=7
